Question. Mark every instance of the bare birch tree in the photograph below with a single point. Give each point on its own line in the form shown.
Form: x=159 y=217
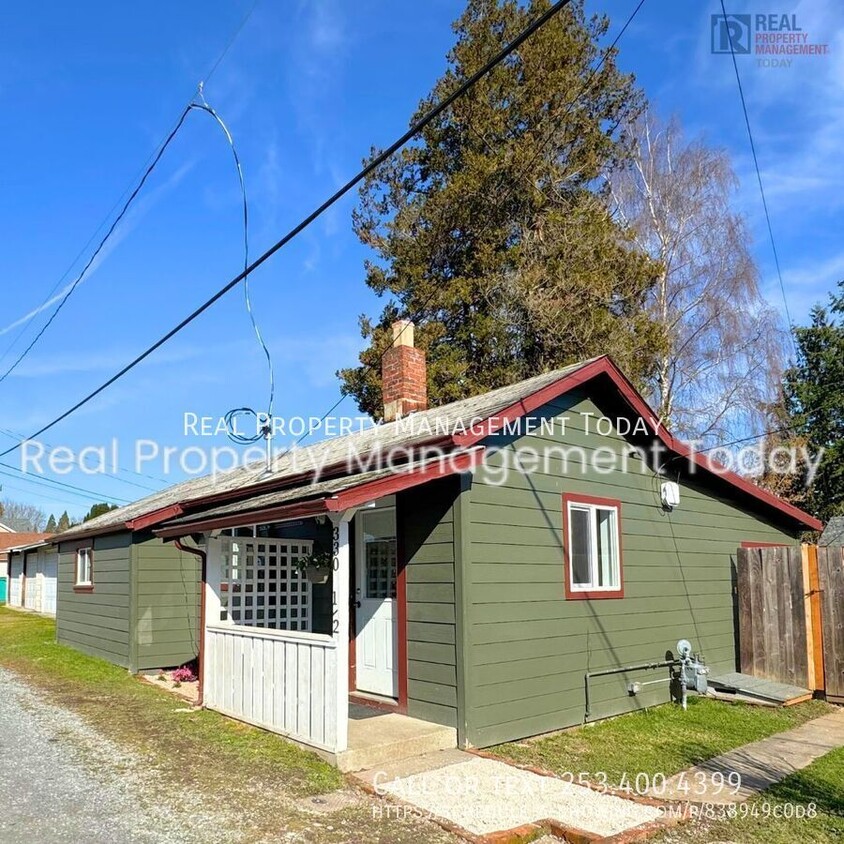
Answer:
x=723 y=344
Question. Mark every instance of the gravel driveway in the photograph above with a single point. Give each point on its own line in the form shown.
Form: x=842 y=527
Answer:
x=63 y=782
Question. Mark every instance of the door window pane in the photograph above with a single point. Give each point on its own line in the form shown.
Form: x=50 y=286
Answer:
x=379 y=551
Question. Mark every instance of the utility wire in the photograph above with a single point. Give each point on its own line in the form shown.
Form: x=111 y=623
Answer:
x=241 y=411
x=52 y=482
x=15 y=436
x=781 y=430
x=143 y=172
x=100 y=245
x=420 y=124
x=542 y=147
x=761 y=186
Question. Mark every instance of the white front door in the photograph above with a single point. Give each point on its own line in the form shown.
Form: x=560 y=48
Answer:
x=376 y=566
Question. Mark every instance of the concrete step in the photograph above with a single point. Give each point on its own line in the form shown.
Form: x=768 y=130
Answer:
x=388 y=737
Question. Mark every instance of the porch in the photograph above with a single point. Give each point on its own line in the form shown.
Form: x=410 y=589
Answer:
x=281 y=651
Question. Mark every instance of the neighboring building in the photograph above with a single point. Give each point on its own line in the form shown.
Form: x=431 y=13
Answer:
x=834 y=532
x=480 y=595
x=33 y=577
x=9 y=539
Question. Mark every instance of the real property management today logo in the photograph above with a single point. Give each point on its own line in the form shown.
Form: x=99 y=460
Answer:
x=774 y=38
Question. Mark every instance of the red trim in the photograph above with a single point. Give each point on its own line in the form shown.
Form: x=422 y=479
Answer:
x=452 y=464
x=605 y=366
x=156 y=516
x=382 y=705
x=353 y=611
x=247 y=517
x=532 y=402
x=578 y=594
x=764 y=545
x=401 y=606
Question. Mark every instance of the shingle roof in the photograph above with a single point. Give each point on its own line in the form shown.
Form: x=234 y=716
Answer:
x=411 y=431
x=19 y=539
x=834 y=532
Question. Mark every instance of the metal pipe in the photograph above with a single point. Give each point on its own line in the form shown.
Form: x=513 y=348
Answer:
x=200 y=657
x=606 y=672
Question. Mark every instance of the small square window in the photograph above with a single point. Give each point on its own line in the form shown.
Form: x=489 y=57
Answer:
x=84 y=568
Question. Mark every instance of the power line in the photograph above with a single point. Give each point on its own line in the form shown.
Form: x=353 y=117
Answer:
x=51 y=482
x=825 y=405
x=761 y=186
x=143 y=173
x=376 y=162
x=20 y=437
x=421 y=309
x=100 y=245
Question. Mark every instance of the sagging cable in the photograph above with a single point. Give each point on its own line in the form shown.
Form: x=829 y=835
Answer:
x=243 y=439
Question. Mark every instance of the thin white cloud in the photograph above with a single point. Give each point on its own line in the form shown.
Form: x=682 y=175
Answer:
x=133 y=217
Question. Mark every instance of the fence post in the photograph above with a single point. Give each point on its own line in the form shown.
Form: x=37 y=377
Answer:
x=807 y=609
x=817 y=618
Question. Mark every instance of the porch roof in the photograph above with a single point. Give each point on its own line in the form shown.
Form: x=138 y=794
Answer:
x=323 y=497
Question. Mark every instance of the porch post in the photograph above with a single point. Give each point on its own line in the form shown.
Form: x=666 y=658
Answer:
x=340 y=622
x=211 y=586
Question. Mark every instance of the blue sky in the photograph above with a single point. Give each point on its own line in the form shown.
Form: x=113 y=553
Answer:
x=88 y=91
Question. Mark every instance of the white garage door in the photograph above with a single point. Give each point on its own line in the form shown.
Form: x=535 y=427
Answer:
x=32 y=584
x=50 y=577
x=15 y=569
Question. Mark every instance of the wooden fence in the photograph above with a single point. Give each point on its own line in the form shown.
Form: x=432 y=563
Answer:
x=773 y=640
x=831 y=586
x=791 y=616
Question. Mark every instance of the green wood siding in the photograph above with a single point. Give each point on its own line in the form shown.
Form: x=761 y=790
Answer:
x=97 y=622
x=165 y=584
x=526 y=647
x=426 y=530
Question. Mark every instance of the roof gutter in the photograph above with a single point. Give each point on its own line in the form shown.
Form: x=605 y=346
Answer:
x=200 y=657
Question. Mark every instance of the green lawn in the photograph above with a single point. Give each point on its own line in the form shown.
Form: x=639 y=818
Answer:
x=129 y=710
x=664 y=739
x=818 y=789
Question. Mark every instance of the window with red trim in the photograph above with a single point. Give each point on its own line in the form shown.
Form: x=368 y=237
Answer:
x=592 y=543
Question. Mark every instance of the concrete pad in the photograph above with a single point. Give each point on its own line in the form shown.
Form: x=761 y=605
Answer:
x=483 y=796
x=760 y=764
x=376 y=738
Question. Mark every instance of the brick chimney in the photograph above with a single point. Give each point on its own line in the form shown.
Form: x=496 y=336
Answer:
x=404 y=383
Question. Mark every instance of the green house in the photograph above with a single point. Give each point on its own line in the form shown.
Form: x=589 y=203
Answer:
x=524 y=539
x=127 y=597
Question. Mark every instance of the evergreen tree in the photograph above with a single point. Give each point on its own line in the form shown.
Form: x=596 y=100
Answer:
x=63 y=523
x=489 y=230
x=814 y=402
x=51 y=524
x=98 y=510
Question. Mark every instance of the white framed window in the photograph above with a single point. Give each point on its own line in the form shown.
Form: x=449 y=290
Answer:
x=84 y=568
x=593 y=547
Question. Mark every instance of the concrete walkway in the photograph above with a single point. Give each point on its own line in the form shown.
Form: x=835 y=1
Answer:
x=484 y=796
x=760 y=764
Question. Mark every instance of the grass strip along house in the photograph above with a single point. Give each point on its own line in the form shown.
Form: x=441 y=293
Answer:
x=521 y=540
